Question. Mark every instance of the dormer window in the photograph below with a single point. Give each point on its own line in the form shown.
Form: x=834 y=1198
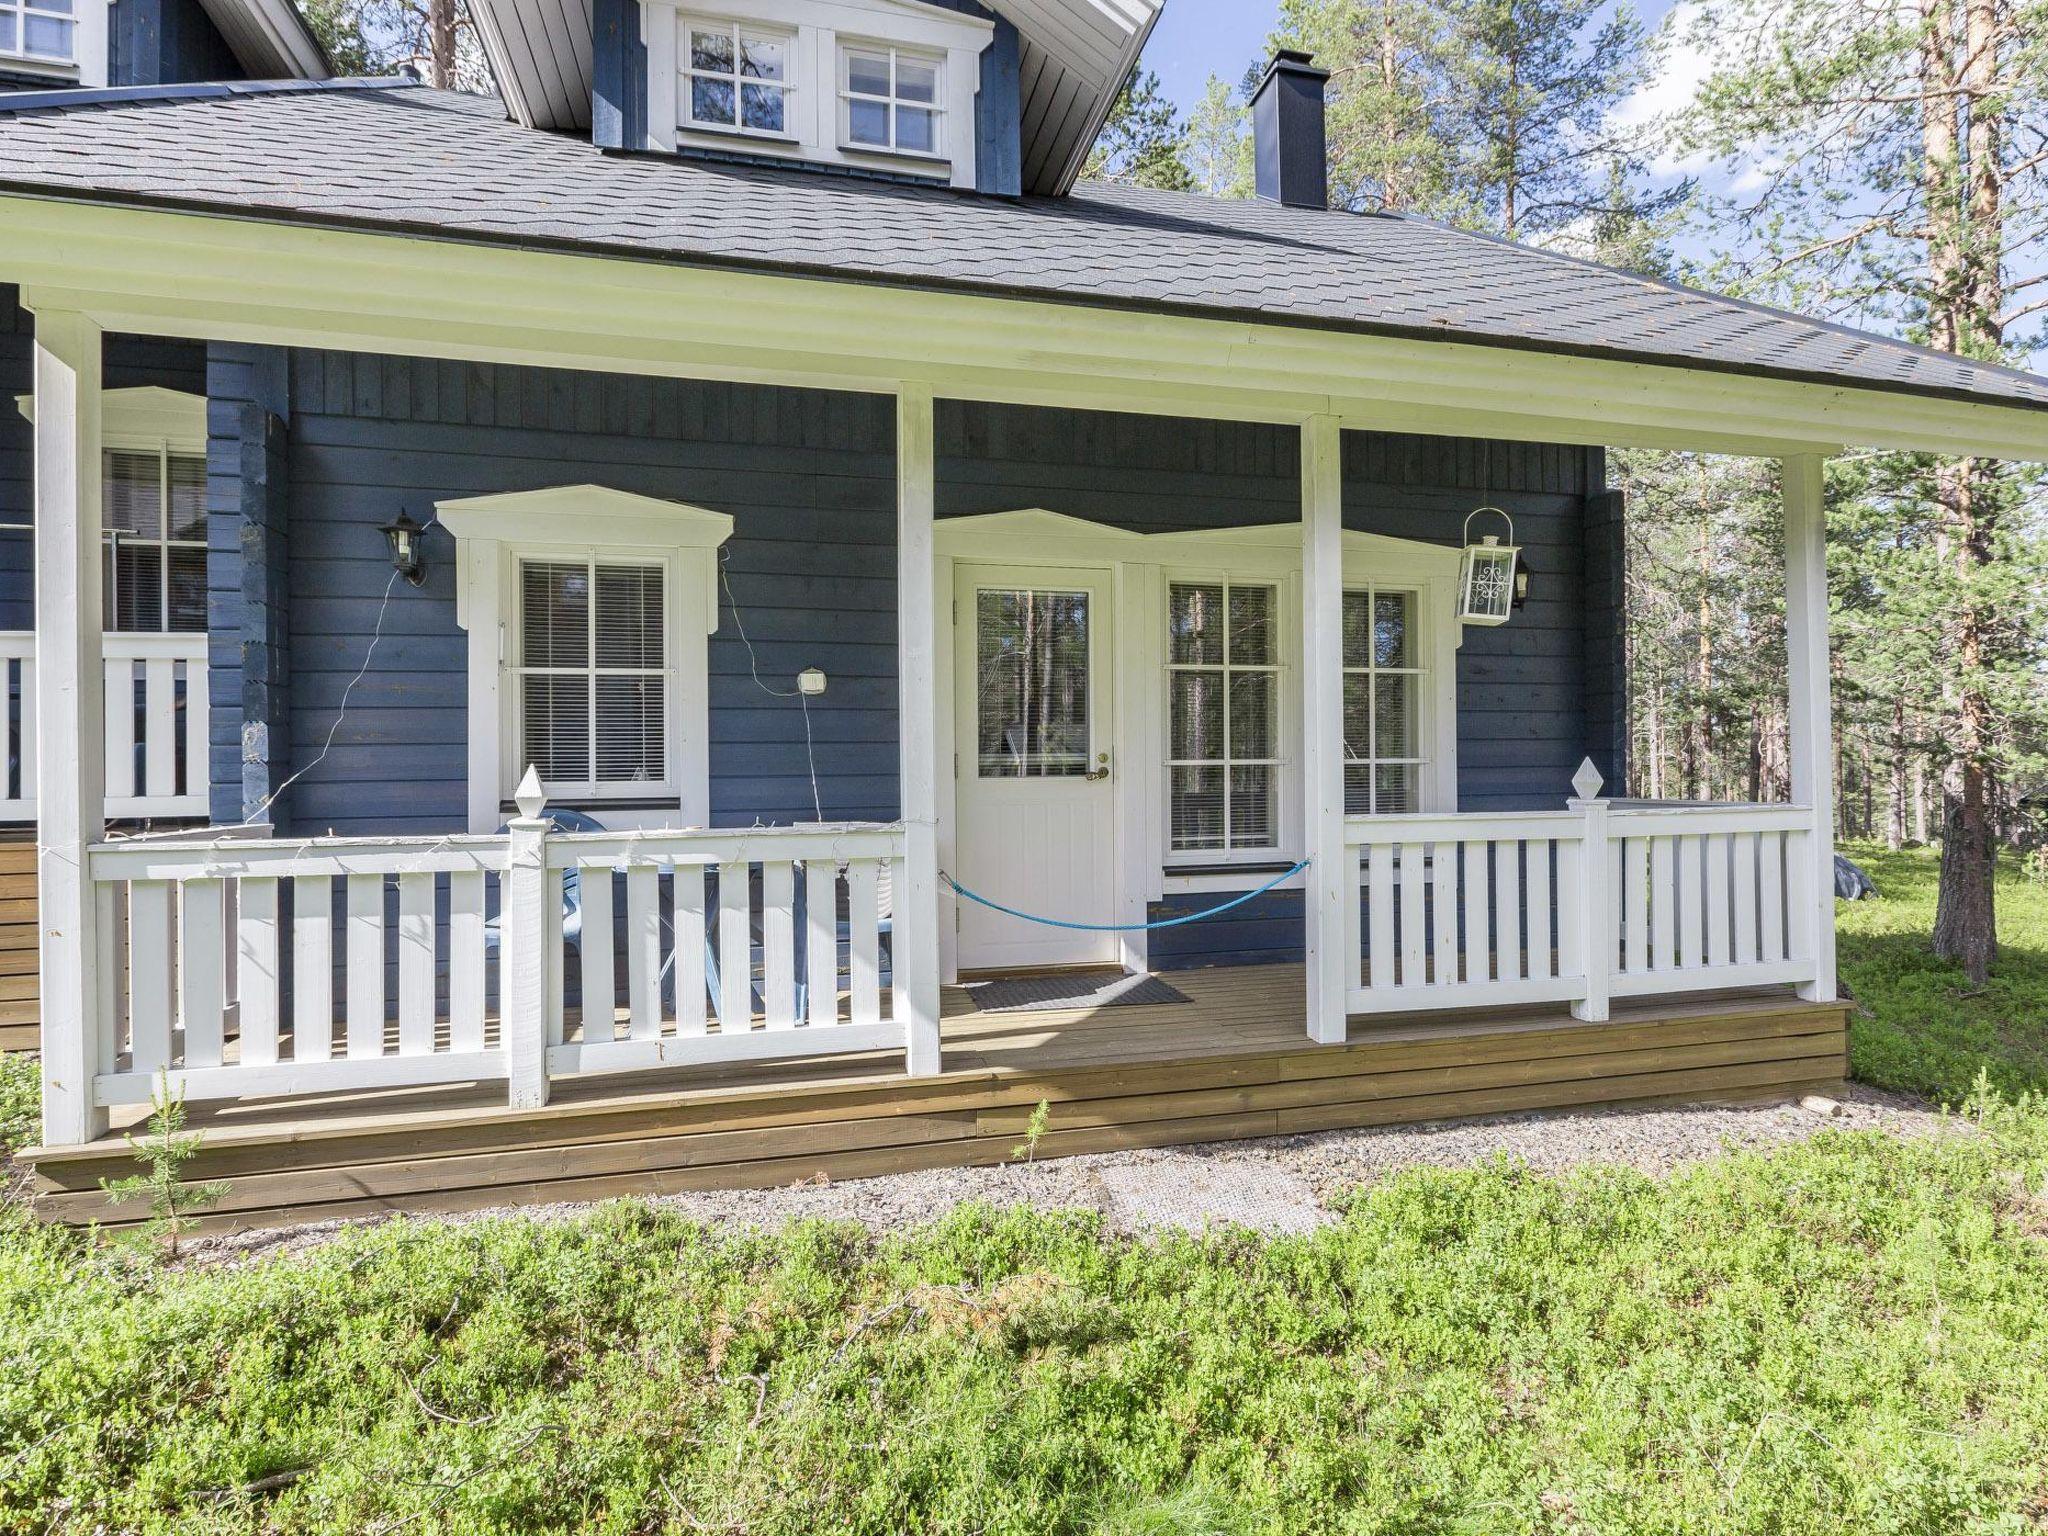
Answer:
x=878 y=86
x=892 y=99
x=737 y=77
x=41 y=30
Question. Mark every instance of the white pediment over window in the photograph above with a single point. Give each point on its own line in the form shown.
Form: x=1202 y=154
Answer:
x=577 y=512
x=146 y=416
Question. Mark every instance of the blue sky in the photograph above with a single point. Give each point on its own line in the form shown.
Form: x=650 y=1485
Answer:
x=1199 y=38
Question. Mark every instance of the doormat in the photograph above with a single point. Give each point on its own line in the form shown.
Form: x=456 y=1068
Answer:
x=1069 y=989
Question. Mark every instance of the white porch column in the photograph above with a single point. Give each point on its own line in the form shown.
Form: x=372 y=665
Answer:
x=914 y=940
x=1322 y=724
x=70 y=721
x=1807 y=717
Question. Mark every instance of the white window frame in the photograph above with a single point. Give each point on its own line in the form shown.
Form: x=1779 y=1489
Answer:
x=1427 y=705
x=589 y=558
x=847 y=96
x=154 y=420
x=817 y=109
x=1286 y=761
x=791 y=86
x=21 y=11
x=495 y=536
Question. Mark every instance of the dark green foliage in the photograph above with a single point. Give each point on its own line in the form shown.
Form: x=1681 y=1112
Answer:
x=1143 y=142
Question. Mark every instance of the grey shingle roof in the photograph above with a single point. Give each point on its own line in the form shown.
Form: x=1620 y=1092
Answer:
x=421 y=159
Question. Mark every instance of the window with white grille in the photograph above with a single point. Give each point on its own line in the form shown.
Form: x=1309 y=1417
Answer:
x=738 y=77
x=593 y=674
x=153 y=566
x=1384 y=689
x=1223 y=716
x=45 y=31
x=892 y=99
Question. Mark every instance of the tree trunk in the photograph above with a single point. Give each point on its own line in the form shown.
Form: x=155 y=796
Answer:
x=441 y=43
x=1895 y=825
x=1965 y=217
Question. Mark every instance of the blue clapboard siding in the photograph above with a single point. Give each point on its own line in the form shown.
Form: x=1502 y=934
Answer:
x=807 y=477
x=166 y=42
x=130 y=361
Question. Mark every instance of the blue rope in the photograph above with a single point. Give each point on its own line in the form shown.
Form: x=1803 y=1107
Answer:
x=1171 y=922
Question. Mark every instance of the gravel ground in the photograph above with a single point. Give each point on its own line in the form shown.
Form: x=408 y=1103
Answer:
x=1282 y=1184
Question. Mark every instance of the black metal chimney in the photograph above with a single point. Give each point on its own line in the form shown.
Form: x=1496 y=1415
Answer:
x=1287 y=132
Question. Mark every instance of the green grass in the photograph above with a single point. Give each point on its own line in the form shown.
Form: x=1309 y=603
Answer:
x=1918 y=1027
x=1846 y=1336
x=21 y=1089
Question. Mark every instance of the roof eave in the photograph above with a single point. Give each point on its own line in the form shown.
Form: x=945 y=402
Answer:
x=145 y=265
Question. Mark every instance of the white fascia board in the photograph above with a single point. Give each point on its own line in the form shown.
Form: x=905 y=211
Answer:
x=160 y=272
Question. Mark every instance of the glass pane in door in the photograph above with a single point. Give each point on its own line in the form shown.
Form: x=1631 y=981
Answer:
x=1031 y=656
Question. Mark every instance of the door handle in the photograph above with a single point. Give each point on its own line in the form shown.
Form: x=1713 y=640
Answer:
x=1100 y=771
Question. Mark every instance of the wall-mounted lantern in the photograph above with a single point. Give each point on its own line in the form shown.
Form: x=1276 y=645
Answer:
x=1522 y=574
x=1488 y=592
x=404 y=536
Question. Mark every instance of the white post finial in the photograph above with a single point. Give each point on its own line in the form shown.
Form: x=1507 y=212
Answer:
x=530 y=797
x=1587 y=782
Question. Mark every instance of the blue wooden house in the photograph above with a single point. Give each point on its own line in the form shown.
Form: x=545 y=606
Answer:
x=722 y=617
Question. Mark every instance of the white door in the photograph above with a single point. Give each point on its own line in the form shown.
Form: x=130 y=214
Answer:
x=1034 y=828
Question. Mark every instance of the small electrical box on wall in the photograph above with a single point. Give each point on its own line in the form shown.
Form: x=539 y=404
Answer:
x=810 y=682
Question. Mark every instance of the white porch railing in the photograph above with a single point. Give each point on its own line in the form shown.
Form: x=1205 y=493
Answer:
x=247 y=968
x=731 y=947
x=156 y=725
x=1576 y=906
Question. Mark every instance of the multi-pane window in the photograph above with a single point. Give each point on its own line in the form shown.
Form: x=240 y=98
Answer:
x=737 y=76
x=1031 y=684
x=891 y=99
x=39 y=29
x=1223 y=746
x=1383 y=683
x=593 y=673
x=153 y=574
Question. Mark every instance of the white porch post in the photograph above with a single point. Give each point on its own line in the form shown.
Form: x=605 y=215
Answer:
x=531 y=950
x=1322 y=724
x=70 y=721
x=1807 y=719
x=914 y=939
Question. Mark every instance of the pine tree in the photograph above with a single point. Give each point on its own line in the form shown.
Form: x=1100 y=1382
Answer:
x=1219 y=143
x=1895 y=175
x=1530 y=89
x=1385 y=69
x=1143 y=142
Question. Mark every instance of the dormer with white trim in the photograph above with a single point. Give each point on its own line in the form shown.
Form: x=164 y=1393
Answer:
x=877 y=85
x=1001 y=96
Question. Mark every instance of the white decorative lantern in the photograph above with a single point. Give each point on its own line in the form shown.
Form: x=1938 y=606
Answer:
x=1487 y=594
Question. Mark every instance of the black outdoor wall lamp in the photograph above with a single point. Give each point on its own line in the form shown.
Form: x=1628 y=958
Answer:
x=404 y=535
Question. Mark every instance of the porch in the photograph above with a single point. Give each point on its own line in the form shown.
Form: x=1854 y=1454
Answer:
x=1226 y=1063
x=1405 y=781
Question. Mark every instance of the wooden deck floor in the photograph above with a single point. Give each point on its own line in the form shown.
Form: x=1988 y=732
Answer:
x=1231 y=1062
